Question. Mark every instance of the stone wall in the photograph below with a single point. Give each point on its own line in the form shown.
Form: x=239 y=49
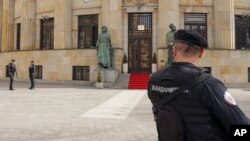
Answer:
x=57 y=64
x=230 y=66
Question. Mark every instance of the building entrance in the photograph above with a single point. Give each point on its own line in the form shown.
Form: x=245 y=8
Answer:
x=139 y=42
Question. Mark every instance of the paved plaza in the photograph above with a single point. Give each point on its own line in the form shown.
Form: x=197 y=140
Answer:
x=75 y=113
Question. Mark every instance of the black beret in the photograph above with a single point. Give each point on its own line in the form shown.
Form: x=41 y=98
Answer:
x=190 y=37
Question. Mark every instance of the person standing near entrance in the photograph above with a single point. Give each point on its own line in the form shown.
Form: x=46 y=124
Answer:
x=32 y=74
x=11 y=72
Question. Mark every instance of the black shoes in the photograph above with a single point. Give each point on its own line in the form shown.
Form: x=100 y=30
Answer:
x=11 y=89
x=31 y=88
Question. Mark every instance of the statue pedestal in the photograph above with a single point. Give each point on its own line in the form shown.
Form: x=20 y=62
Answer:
x=108 y=76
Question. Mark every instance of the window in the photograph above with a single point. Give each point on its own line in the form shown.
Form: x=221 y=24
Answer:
x=47 y=34
x=6 y=72
x=196 y=22
x=38 y=72
x=248 y=74
x=18 y=36
x=81 y=73
x=242 y=32
x=209 y=69
x=87 y=31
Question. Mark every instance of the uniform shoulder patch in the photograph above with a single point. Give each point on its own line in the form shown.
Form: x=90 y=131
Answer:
x=229 y=99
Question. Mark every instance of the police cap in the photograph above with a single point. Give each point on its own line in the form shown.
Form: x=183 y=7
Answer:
x=190 y=37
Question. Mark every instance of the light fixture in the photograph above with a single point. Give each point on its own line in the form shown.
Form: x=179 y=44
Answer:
x=245 y=15
x=45 y=18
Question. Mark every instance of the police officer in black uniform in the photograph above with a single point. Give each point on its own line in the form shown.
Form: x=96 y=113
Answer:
x=11 y=72
x=207 y=110
x=32 y=74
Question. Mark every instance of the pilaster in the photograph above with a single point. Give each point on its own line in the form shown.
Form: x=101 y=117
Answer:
x=168 y=12
x=28 y=24
x=8 y=25
x=63 y=24
x=224 y=24
x=112 y=18
x=1 y=15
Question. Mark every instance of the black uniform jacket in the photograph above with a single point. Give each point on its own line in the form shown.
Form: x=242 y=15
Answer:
x=31 y=70
x=213 y=95
x=11 y=69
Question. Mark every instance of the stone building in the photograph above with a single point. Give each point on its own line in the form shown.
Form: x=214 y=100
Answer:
x=60 y=35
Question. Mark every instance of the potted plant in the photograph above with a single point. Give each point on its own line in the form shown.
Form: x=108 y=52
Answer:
x=154 y=63
x=125 y=64
x=99 y=82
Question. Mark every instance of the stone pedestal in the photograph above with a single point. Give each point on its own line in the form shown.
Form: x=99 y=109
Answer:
x=108 y=76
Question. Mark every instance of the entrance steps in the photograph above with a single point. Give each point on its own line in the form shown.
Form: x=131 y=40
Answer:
x=138 y=81
x=121 y=82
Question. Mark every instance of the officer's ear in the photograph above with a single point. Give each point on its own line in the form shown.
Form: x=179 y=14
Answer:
x=201 y=54
x=174 y=52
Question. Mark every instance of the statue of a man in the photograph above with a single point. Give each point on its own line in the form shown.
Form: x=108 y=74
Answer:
x=104 y=49
x=170 y=39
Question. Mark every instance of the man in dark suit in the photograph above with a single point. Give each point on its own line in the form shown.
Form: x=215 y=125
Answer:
x=32 y=74
x=11 y=73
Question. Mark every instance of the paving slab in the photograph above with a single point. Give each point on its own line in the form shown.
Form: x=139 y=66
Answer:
x=54 y=112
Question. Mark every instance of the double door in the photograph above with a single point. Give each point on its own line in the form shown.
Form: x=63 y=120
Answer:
x=140 y=42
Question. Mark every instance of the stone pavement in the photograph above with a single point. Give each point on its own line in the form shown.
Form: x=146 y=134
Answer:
x=68 y=113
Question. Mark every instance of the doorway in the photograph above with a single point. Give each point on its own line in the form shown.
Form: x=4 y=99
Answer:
x=139 y=42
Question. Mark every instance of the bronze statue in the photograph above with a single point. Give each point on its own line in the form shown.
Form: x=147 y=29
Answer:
x=170 y=39
x=104 y=49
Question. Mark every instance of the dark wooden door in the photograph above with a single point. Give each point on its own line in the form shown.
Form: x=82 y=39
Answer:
x=140 y=42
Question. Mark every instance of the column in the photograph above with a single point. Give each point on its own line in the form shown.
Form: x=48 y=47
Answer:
x=168 y=12
x=28 y=24
x=1 y=14
x=8 y=25
x=112 y=18
x=63 y=24
x=224 y=24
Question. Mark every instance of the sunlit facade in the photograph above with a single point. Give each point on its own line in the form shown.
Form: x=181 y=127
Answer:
x=60 y=35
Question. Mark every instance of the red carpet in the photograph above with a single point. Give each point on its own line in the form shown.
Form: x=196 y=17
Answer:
x=138 y=81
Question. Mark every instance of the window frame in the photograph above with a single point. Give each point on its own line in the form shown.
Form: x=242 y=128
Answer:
x=209 y=69
x=87 y=24
x=84 y=73
x=47 y=26
x=199 y=24
x=249 y=74
x=18 y=36
x=6 y=71
x=242 y=32
x=38 y=72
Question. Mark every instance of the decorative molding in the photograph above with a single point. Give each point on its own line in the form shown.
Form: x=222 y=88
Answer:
x=140 y=3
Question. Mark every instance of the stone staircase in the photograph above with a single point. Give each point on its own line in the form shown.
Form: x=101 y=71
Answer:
x=121 y=82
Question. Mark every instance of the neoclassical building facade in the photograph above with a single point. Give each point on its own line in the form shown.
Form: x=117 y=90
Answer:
x=60 y=35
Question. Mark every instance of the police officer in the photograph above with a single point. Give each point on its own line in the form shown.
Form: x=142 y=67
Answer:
x=11 y=72
x=207 y=110
x=32 y=74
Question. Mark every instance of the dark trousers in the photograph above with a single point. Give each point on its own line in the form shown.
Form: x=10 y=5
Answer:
x=11 y=82
x=32 y=81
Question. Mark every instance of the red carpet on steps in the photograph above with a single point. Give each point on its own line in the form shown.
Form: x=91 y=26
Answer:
x=138 y=81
